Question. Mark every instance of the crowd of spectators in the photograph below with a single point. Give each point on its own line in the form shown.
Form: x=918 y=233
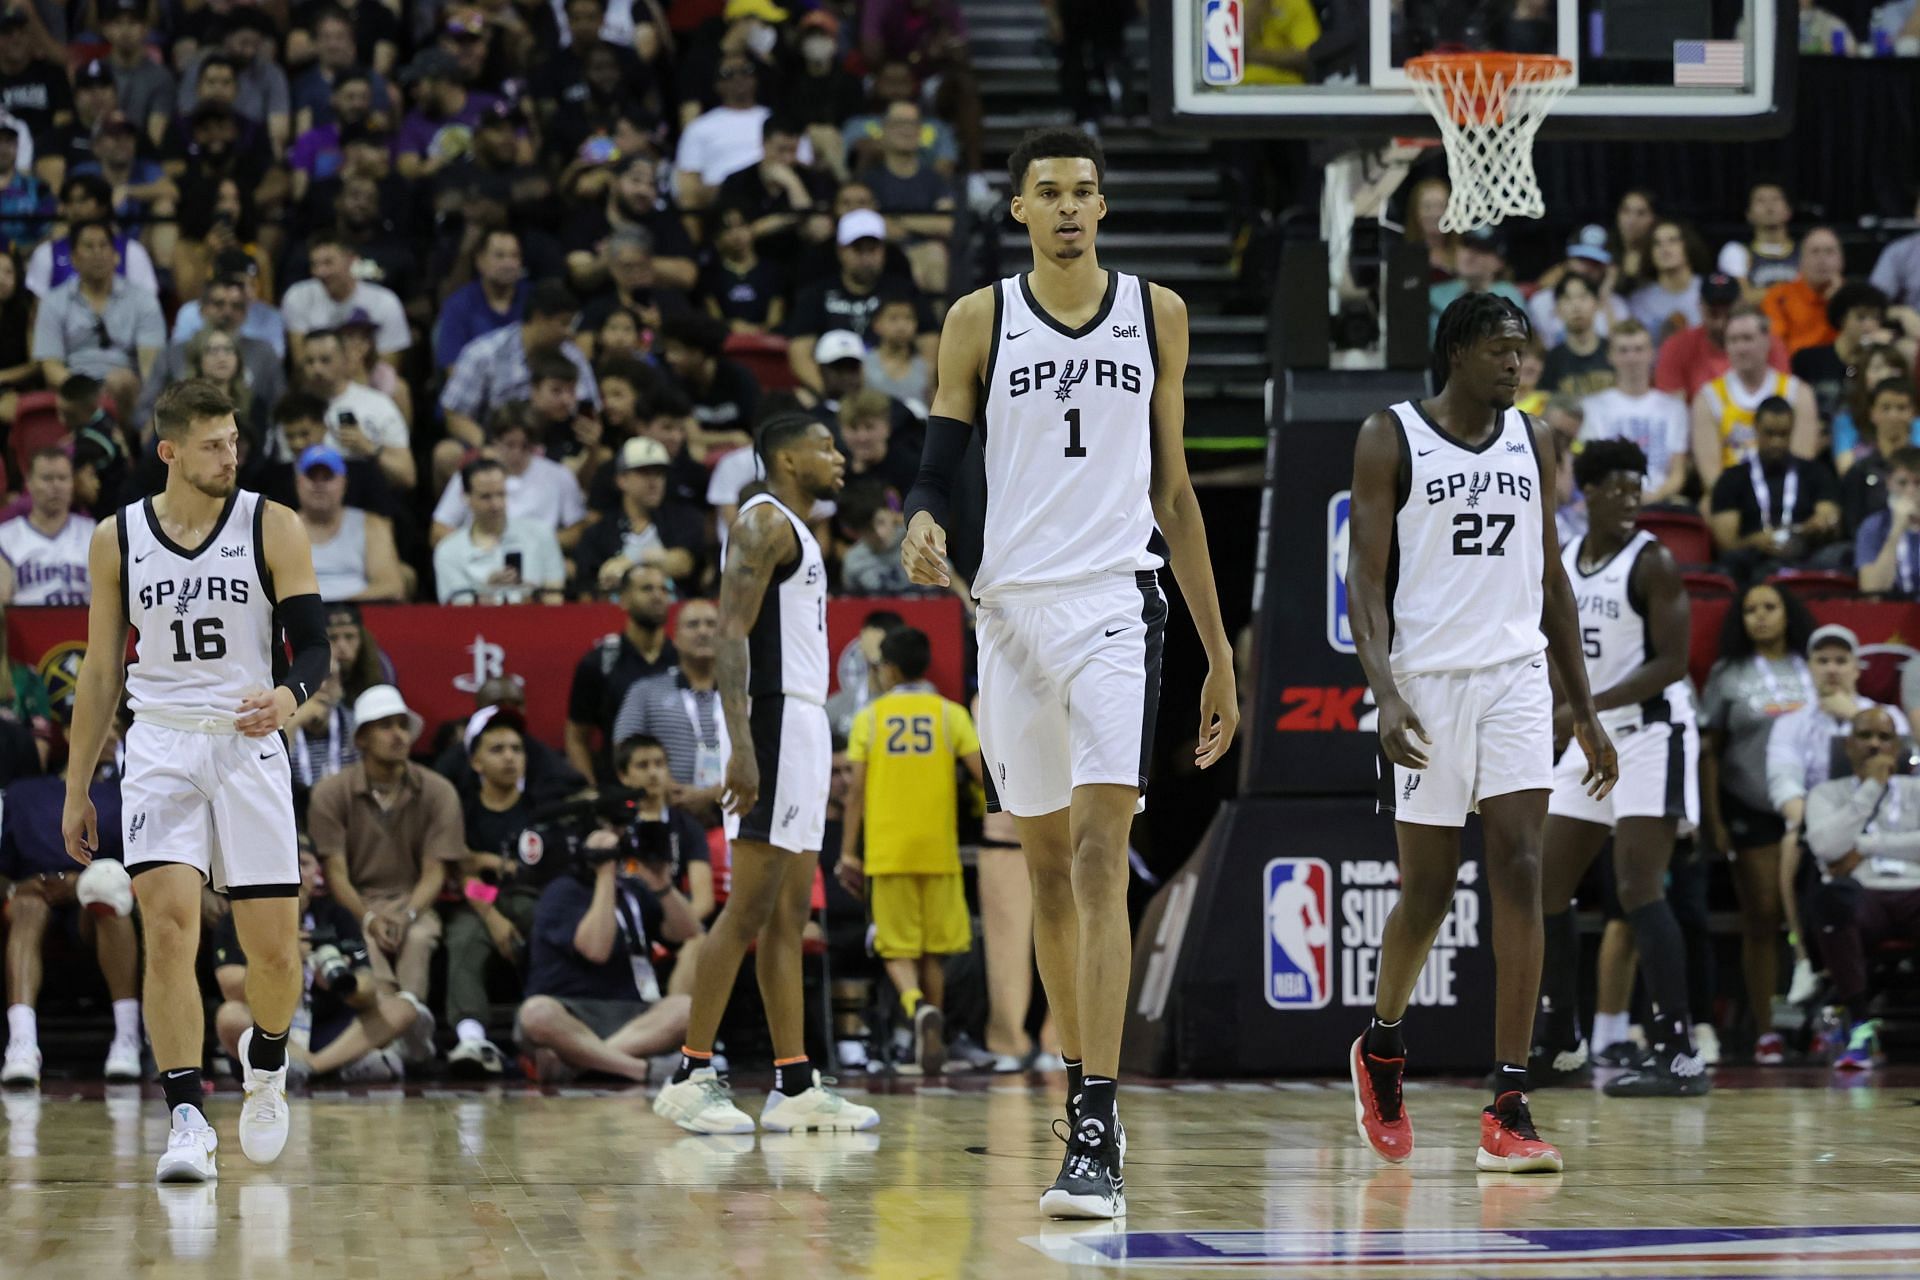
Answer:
x=500 y=289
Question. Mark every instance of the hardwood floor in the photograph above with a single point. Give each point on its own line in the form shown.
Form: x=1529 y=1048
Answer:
x=1268 y=1177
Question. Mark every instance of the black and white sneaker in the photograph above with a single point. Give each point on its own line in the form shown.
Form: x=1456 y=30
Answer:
x=1624 y=1053
x=1090 y=1184
x=1677 y=1075
x=1555 y=1068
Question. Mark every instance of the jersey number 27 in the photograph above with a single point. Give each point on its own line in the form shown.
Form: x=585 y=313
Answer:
x=1471 y=529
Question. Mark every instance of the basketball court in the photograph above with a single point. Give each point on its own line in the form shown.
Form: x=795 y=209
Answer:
x=1258 y=1178
x=1244 y=1157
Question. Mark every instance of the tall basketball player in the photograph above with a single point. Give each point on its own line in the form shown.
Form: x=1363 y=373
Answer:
x=772 y=671
x=207 y=575
x=1635 y=626
x=1459 y=600
x=1076 y=374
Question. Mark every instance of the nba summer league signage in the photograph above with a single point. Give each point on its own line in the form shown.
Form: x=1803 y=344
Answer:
x=1551 y=1251
x=1324 y=925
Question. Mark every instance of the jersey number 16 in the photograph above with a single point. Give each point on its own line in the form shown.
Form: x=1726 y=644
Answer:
x=208 y=644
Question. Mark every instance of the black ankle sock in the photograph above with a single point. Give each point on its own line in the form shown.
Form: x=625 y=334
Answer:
x=182 y=1088
x=1383 y=1039
x=1099 y=1099
x=267 y=1052
x=1663 y=963
x=1559 y=984
x=690 y=1062
x=1076 y=1073
x=1510 y=1077
x=797 y=1072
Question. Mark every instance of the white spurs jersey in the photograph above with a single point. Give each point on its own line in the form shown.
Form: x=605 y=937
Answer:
x=48 y=569
x=1466 y=590
x=1068 y=439
x=1614 y=634
x=787 y=648
x=202 y=617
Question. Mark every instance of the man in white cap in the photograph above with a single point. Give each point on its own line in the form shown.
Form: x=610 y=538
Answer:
x=1589 y=258
x=387 y=830
x=1803 y=749
x=644 y=530
x=850 y=299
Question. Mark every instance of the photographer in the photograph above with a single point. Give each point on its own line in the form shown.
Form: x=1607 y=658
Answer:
x=350 y=1021
x=502 y=882
x=593 y=1001
x=640 y=763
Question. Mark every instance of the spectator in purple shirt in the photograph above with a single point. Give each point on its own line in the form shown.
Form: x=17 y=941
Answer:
x=335 y=58
x=317 y=153
x=495 y=298
x=426 y=143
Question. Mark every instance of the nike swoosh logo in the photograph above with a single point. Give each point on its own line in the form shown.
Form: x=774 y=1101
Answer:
x=1023 y=333
x=1423 y=452
x=1538 y=665
x=267 y=755
x=138 y=559
x=1116 y=631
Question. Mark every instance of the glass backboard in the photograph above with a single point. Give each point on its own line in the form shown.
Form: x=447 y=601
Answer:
x=1297 y=68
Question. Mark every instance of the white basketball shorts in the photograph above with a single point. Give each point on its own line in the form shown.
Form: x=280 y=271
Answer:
x=793 y=745
x=1069 y=687
x=1492 y=731
x=221 y=803
x=1659 y=777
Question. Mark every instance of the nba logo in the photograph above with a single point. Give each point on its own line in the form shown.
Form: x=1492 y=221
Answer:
x=1339 y=625
x=1298 y=936
x=1225 y=35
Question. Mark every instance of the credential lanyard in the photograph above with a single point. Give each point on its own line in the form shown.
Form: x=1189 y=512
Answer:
x=1763 y=492
x=710 y=757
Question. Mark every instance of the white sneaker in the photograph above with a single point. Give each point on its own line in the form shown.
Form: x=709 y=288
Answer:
x=22 y=1066
x=381 y=1066
x=123 y=1061
x=702 y=1103
x=190 y=1147
x=817 y=1110
x=477 y=1060
x=1706 y=1041
x=264 y=1117
x=416 y=1046
x=1806 y=984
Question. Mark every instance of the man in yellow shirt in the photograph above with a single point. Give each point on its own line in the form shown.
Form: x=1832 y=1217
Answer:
x=907 y=747
x=1279 y=34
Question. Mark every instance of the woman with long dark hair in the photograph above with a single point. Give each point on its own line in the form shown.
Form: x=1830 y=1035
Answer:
x=1760 y=676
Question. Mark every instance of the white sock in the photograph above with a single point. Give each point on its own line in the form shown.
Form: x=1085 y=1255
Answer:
x=126 y=1021
x=1609 y=1029
x=22 y=1026
x=470 y=1031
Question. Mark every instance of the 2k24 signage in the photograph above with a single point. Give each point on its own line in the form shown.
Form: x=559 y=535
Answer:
x=1320 y=709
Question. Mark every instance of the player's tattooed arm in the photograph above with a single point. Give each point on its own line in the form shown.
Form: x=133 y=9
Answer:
x=761 y=541
x=1560 y=620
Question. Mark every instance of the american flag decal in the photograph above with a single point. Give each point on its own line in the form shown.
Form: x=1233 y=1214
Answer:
x=1710 y=63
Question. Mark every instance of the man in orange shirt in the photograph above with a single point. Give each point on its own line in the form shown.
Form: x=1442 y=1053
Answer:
x=1798 y=308
x=1692 y=358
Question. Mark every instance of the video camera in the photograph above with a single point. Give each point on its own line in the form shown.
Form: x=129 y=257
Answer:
x=563 y=830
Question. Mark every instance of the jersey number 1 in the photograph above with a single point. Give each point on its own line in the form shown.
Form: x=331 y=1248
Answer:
x=208 y=644
x=1074 y=448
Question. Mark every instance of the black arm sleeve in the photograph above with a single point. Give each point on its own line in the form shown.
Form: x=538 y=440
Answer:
x=304 y=619
x=939 y=463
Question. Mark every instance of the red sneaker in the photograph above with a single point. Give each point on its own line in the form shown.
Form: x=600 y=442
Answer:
x=1377 y=1105
x=1508 y=1141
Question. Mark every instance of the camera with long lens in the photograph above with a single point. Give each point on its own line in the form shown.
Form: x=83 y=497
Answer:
x=333 y=971
x=563 y=830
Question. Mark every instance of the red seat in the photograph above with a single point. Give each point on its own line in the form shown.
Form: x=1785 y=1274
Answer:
x=1685 y=534
x=764 y=355
x=36 y=424
x=1817 y=584
x=1707 y=584
x=1880 y=666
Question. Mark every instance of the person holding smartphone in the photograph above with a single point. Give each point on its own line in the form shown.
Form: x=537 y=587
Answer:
x=493 y=559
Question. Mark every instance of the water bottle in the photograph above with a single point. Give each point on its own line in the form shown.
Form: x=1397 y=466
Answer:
x=1882 y=43
x=1839 y=41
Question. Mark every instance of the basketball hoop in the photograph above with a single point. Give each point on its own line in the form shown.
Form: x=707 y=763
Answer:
x=1489 y=106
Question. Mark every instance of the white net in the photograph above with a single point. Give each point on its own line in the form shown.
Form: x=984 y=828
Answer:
x=1489 y=107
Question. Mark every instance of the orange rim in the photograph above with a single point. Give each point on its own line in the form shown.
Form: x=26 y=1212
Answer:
x=1482 y=71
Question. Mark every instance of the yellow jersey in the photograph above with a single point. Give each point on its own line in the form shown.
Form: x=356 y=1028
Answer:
x=1735 y=407
x=1279 y=26
x=912 y=740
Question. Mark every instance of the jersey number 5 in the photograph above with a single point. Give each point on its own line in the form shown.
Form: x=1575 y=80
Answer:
x=1470 y=527
x=208 y=644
